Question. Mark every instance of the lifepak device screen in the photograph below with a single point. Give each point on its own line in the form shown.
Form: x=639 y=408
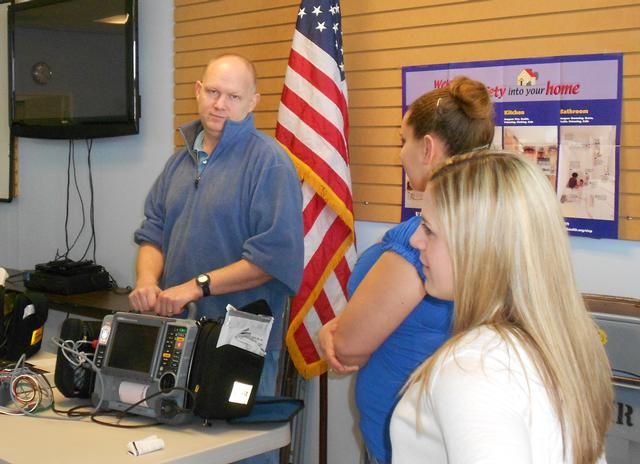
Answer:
x=133 y=347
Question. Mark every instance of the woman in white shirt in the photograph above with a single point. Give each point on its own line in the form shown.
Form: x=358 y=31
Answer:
x=524 y=379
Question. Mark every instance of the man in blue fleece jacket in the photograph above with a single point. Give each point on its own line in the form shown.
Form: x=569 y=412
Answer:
x=223 y=221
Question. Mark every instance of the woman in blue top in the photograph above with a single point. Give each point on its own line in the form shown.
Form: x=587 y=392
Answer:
x=390 y=326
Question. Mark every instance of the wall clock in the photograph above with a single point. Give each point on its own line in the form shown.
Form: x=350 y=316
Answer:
x=41 y=73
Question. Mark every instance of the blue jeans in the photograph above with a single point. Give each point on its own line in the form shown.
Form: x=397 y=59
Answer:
x=267 y=387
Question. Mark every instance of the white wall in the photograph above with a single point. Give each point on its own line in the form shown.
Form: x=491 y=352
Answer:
x=608 y=267
x=32 y=226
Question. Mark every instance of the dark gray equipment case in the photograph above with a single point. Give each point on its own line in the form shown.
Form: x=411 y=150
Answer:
x=619 y=322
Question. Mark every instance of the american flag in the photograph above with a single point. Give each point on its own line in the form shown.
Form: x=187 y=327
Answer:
x=313 y=126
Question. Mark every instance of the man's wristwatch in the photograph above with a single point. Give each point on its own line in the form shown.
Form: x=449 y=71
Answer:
x=203 y=281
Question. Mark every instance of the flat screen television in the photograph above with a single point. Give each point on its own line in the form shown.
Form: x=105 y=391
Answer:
x=73 y=68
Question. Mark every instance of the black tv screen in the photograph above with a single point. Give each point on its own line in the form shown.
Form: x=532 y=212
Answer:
x=73 y=68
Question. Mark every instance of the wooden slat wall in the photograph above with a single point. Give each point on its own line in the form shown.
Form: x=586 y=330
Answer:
x=381 y=36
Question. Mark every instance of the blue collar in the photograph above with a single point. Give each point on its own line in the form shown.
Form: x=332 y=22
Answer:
x=198 y=144
x=230 y=133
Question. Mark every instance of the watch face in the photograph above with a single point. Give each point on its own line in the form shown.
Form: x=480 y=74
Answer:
x=203 y=282
x=41 y=73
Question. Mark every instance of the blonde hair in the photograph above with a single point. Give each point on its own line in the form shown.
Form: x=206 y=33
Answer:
x=512 y=272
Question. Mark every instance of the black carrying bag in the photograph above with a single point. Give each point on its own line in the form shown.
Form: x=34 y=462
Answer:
x=224 y=379
x=4 y=309
x=22 y=319
x=76 y=381
x=219 y=375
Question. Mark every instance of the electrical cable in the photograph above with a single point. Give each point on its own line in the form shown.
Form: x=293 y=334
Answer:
x=72 y=173
x=70 y=350
x=191 y=394
x=13 y=276
x=92 y=239
x=71 y=170
x=96 y=415
x=119 y=415
x=80 y=198
x=61 y=412
x=28 y=390
x=115 y=288
x=31 y=392
x=625 y=373
x=66 y=214
x=92 y=242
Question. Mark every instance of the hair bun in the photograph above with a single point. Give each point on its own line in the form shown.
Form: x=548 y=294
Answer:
x=472 y=97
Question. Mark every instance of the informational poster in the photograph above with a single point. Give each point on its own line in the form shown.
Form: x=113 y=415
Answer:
x=563 y=113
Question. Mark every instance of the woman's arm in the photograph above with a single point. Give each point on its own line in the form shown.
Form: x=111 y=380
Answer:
x=384 y=298
x=325 y=338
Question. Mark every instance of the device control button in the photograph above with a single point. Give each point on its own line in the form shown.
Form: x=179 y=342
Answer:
x=168 y=409
x=167 y=382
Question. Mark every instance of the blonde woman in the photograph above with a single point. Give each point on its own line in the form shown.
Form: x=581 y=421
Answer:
x=524 y=377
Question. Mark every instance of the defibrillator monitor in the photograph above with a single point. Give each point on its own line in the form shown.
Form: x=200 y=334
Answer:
x=133 y=347
x=144 y=363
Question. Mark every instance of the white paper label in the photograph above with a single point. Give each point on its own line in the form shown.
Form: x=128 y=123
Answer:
x=28 y=311
x=249 y=332
x=240 y=393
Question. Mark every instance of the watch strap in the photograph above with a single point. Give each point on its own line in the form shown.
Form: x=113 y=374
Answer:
x=203 y=281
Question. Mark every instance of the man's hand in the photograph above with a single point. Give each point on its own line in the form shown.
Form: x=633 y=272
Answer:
x=173 y=300
x=149 y=265
x=326 y=345
x=143 y=297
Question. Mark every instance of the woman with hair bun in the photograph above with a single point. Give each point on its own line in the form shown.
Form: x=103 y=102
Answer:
x=524 y=377
x=390 y=325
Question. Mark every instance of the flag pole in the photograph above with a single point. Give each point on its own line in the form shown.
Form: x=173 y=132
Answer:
x=322 y=455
